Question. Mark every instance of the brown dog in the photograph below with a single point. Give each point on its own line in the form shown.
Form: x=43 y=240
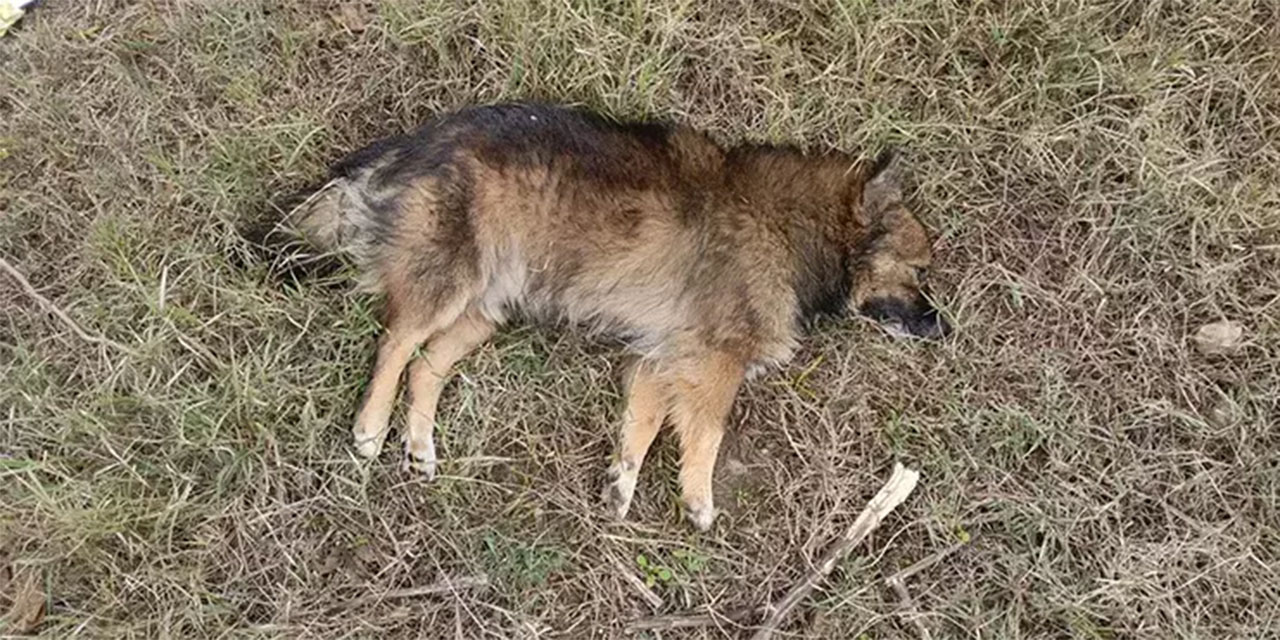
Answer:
x=708 y=261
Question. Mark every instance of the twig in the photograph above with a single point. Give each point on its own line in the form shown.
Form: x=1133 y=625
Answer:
x=924 y=563
x=898 y=582
x=909 y=607
x=654 y=600
x=685 y=621
x=448 y=585
x=61 y=315
x=900 y=485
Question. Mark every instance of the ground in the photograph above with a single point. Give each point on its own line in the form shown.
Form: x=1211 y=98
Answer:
x=1102 y=179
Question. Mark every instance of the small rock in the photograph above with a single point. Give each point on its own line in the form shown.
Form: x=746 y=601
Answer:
x=735 y=467
x=1225 y=413
x=1219 y=338
x=366 y=554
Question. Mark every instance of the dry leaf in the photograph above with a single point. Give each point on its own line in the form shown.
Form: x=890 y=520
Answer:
x=27 y=610
x=1219 y=338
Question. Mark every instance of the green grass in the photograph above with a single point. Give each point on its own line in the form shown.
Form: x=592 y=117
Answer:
x=1103 y=179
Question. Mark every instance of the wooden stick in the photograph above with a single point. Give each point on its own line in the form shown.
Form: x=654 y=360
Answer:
x=654 y=600
x=924 y=563
x=685 y=621
x=898 y=582
x=59 y=313
x=909 y=607
x=900 y=485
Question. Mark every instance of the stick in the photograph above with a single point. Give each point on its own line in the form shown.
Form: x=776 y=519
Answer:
x=53 y=308
x=924 y=563
x=900 y=485
x=654 y=600
x=685 y=621
x=444 y=586
x=898 y=582
x=909 y=607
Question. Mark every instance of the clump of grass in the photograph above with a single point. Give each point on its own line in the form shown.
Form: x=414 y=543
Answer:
x=1102 y=179
x=520 y=565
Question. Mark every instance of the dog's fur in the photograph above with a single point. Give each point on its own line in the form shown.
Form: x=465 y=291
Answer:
x=708 y=261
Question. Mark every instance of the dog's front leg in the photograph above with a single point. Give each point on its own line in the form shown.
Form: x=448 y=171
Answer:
x=702 y=395
x=648 y=399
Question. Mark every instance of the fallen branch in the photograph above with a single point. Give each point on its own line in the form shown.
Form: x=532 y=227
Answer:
x=900 y=485
x=59 y=313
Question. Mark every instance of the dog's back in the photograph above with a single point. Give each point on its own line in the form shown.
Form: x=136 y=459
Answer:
x=559 y=213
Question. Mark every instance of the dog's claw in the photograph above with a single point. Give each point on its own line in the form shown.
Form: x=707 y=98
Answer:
x=420 y=459
x=619 y=491
x=425 y=468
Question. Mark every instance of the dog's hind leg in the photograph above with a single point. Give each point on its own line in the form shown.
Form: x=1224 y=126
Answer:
x=405 y=331
x=703 y=394
x=395 y=348
x=648 y=400
x=427 y=376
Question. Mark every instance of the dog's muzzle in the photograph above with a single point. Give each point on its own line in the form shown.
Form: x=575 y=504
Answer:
x=917 y=318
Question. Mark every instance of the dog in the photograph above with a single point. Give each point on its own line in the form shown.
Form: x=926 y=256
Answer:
x=707 y=260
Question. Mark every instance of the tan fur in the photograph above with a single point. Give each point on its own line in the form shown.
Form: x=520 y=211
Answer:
x=648 y=402
x=427 y=375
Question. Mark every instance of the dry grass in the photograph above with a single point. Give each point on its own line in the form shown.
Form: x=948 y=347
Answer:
x=1103 y=177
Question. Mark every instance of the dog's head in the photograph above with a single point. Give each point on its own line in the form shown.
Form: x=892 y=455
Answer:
x=890 y=284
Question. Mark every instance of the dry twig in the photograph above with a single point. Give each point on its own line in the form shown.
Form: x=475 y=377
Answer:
x=56 y=311
x=654 y=600
x=898 y=582
x=924 y=563
x=448 y=585
x=691 y=620
x=909 y=611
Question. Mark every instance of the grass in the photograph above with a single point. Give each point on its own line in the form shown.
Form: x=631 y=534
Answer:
x=1103 y=179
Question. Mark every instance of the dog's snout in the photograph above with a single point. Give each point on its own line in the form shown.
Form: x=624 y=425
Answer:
x=929 y=324
x=919 y=319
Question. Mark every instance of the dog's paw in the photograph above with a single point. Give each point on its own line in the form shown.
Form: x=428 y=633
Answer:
x=420 y=458
x=423 y=467
x=620 y=489
x=701 y=516
x=369 y=446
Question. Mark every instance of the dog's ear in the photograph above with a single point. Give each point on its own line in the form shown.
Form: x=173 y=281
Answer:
x=882 y=186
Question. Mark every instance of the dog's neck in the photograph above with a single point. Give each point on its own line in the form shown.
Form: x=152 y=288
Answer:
x=809 y=200
x=821 y=273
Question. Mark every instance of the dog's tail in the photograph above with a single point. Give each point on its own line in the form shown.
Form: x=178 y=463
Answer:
x=293 y=252
x=319 y=218
x=313 y=232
